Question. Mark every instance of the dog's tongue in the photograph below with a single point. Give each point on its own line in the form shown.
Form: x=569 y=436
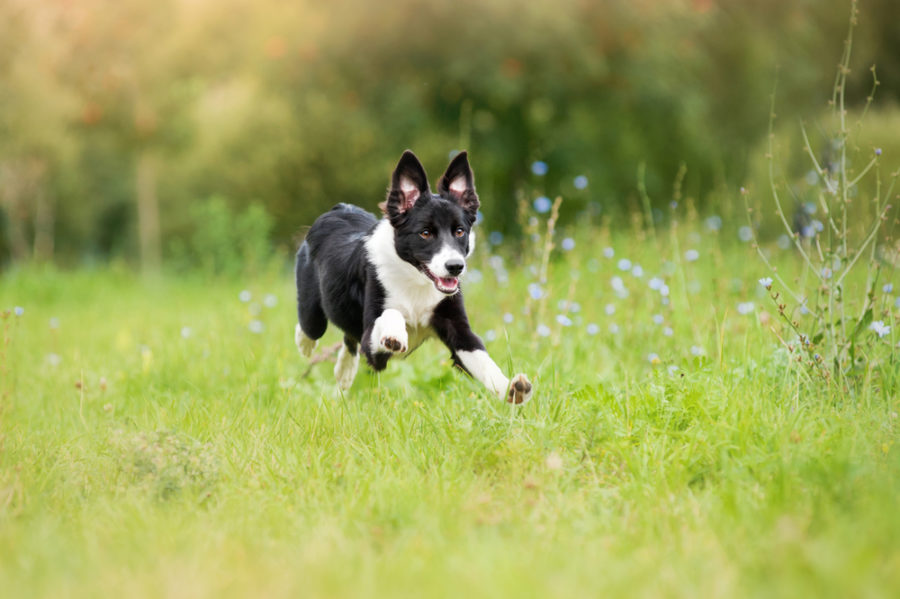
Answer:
x=450 y=283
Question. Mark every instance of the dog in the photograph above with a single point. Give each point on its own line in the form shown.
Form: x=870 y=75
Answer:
x=391 y=283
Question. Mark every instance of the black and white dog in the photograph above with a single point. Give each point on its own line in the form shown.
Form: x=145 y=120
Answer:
x=390 y=284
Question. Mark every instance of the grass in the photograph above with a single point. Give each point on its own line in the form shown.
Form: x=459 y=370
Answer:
x=154 y=444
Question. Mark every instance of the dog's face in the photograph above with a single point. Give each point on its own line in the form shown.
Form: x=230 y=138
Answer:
x=433 y=232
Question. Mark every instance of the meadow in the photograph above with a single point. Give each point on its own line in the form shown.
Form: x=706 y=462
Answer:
x=163 y=437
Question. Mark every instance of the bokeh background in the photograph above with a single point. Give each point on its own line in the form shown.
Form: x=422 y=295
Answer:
x=199 y=132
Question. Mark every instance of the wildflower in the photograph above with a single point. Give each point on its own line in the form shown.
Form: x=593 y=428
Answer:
x=613 y=328
x=804 y=309
x=745 y=233
x=897 y=303
x=610 y=309
x=592 y=329
x=653 y=358
x=508 y=318
x=672 y=369
x=664 y=290
x=888 y=288
x=245 y=296
x=608 y=252
x=746 y=307
x=543 y=330
x=618 y=286
x=54 y=323
x=826 y=273
x=880 y=328
x=553 y=462
x=766 y=282
x=490 y=335
x=270 y=301
x=574 y=307
x=580 y=182
x=564 y=320
x=784 y=242
x=812 y=177
x=256 y=326
x=714 y=223
x=542 y=205
x=18 y=310
x=878 y=151
x=186 y=332
x=495 y=238
x=535 y=291
x=539 y=168
x=668 y=332
x=658 y=319
x=568 y=244
x=697 y=350
x=655 y=283
x=637 y=271
x=691 y=255
x=53 y=359
x=624 y=264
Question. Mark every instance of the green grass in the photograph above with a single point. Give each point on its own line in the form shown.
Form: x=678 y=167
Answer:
x=139 y=458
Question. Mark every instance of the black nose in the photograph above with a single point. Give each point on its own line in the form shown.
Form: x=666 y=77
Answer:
x=454 y=267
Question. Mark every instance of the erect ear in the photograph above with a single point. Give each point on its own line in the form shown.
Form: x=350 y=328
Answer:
x=408 y=183
x=458 y=184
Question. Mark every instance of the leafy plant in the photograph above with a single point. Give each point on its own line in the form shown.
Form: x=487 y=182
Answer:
x=836 y=323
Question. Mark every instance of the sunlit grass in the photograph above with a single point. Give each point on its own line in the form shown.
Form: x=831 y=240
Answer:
x=165 y=438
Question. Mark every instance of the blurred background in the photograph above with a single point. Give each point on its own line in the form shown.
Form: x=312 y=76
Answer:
x=191 y=132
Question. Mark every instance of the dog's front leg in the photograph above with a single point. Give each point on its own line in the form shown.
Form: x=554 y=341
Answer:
x=383 y=337
x=452 y=326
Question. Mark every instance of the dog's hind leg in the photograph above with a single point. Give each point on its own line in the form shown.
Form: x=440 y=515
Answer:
x=312 y=320
x=347 y=363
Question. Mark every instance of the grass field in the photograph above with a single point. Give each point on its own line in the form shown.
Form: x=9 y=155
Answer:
x=164 y=438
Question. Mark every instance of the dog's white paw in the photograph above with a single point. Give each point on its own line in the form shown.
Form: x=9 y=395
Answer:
x=393 y=345
x=519 y=389
x=345 y=368
x=304 y=343
x=389 y=333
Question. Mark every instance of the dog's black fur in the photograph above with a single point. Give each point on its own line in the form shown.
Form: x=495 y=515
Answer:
x=383 y=281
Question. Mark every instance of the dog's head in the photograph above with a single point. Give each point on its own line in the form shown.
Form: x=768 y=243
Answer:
x=433 y=231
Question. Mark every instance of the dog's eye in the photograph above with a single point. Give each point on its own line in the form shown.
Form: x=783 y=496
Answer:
x=425 y=234
x=460 y=231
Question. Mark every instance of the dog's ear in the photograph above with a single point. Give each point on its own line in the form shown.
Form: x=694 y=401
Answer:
x=408 y=183
x=458 y=184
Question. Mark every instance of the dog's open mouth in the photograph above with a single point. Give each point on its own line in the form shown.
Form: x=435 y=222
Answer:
x=448 y=285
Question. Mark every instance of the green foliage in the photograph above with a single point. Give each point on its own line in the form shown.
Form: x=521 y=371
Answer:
x=306 y=105
x=224 y=241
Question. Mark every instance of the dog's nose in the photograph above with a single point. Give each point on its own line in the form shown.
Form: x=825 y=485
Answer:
x=455 y=266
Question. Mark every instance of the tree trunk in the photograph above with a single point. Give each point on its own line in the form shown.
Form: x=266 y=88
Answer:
x=148 y=213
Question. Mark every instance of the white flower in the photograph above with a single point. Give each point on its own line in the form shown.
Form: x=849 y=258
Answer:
x=697 y=350
x=568 y=244
x=766 y=282
x=256 y=326
x=592 y=329
x=691 y=255
x=624 y=264
x=18 y=310
x=888 y=288
x=543 y=330
x=746 y=307
x=270 y=301
x=608 y=252
x=564 y=320
x=535 y=291
x=245 y=296
x=880 y=328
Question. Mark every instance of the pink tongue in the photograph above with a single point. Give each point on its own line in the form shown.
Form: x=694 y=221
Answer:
x=448 y=283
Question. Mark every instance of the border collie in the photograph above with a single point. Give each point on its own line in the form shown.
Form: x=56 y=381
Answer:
x=390 y=284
